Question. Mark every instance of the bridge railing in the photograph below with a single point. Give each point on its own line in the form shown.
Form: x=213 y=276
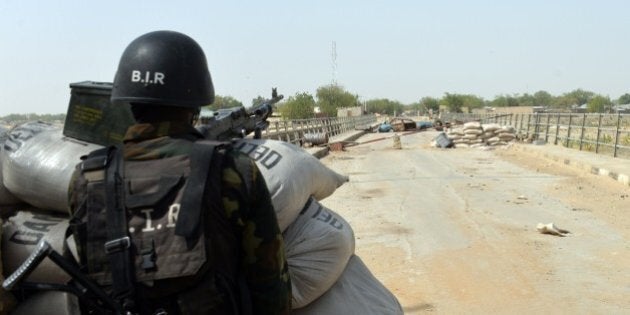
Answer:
x=599 y=133
x=294 y=131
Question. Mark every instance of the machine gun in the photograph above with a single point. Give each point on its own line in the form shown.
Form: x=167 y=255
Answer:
x=238 y=122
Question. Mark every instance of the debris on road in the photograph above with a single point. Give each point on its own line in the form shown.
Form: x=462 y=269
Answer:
x=397 y=144
x=442 y=141
x=551 y=229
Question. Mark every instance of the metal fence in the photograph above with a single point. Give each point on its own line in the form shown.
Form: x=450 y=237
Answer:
x=599 y=133
x=294 y=131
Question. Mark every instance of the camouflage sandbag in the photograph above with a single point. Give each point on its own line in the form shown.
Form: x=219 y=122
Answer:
x=292 y=175
x=318 y=245
x=37 y=163
x=356 y=292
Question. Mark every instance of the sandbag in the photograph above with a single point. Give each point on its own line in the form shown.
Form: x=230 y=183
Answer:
x=37 y=163
x=21 y=234
x=49 y=302
x=292 y=175
x=7 y=301
x=6 y=197
x=473 y=131
x=318 y=245
x=472 y=125
x=356 y=292
x=491 y=127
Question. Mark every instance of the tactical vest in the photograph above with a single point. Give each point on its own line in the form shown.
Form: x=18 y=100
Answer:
x=193 y=274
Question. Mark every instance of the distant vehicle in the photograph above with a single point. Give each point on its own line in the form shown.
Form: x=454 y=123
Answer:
x=424 y=125
x=385 y=127
x=403 y=124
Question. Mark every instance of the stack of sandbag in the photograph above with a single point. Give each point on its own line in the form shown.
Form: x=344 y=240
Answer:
x=500 y=135
x=318 y=241
x=356 y=292
x=37 y=164
x=318 y=245
x=292 y=175
x=475 y=134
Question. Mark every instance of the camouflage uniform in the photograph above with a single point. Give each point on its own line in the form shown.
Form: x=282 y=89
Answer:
x=263 y=260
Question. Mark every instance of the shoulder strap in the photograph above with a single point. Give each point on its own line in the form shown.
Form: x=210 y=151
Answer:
x=118 y=246
x=189 y=217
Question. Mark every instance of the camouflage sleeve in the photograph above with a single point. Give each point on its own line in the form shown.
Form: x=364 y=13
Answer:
x=265 y=264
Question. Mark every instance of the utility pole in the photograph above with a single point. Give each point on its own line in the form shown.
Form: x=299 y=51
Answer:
x=334 y=62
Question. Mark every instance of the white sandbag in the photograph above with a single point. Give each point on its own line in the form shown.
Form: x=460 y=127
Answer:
x=491 y=127
x=487 y=134
x=356 y=292
x=318 y=245
x=493 y=140
x=470 y=137
x=472 y=125
x=292 y=175
x=505 y=136
x=20 y=236
x=37 y=163
x=455 y=132
x=6 y=197
x=508 y=129
x=473 y=131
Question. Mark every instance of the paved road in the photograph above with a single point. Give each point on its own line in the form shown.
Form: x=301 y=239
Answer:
x=454 y=231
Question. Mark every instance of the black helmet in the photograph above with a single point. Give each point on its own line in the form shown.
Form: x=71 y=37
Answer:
x=166 y=68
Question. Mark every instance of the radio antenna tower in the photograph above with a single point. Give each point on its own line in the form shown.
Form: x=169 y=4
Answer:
x=334 y=62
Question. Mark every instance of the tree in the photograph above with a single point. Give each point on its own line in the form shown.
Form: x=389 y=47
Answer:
x=384 y=106
x=473 y=101
x=416 y=107
x=500 y=101
x=258 y=100
x=624 y=99
x=525 y=100
x=580 y=96
x=454 y=102
x=224 y=102
x=598 y=104
x=331 y=97
x=430 y=103
x=300 y=106
x=542 y=98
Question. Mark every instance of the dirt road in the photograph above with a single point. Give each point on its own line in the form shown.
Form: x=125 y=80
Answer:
x=454 y=231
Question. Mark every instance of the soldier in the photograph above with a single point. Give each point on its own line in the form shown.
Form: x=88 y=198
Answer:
x=199 y=234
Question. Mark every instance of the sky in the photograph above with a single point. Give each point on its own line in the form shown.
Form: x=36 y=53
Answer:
x=399 y=50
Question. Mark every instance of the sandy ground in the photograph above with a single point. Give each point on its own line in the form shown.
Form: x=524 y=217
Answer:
x=453 y=231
